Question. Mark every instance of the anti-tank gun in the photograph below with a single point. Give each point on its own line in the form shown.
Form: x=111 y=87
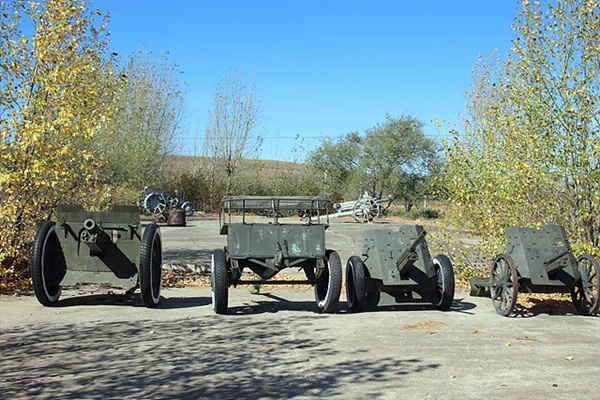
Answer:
x=396 y=267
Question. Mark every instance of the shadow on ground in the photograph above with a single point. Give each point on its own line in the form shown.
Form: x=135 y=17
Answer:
x=212 y=357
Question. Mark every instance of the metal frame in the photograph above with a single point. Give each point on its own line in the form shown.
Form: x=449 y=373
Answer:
x=290 y=232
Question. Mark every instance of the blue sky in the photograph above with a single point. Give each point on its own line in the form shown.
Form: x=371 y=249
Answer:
x=321 y=68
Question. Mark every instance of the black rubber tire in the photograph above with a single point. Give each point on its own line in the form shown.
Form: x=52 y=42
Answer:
x=356 y=290
x=151 y=266
x=47 y=265
x=219 y=281
x=445 y=282
x=585 y=295
x=504 y=285
x=329 y=286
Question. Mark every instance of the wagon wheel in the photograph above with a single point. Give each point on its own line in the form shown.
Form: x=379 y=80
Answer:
x=365 y=210
x=155 y=203
x=356 y=291
x=504 y=285
x=445 y=282
x=585 y=294
x=151 y=266
x=329 y=285
x=189 y=208
x=172 y=201
x=48 y=265
x=219 y=281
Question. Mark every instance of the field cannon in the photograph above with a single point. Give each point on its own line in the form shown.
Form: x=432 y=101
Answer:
x=540 y=261
x=365 y=209
x=273 y=242
x=97 y=247
x=396 y=267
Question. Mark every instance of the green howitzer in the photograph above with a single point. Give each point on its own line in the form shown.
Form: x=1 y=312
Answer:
x=105 y=247
x=409 y=256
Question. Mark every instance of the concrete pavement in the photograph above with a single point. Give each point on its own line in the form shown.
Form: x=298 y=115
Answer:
x=96 y=345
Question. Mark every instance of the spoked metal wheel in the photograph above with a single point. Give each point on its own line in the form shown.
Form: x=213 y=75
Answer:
x=365 y=210
x=48 y=265
x=329 y=285
x=445 y=282
x=189 y=208
x=151 y=266
x=504 y=285
x=219 y=281
x=155 y=203
x=356 y=291
x=172 y=201
x=585 y=294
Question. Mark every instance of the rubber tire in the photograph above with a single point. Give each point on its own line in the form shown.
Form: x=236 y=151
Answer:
x=47 y=263
x=514 y=279
x=445 y=282
x=151 y=266
x=219 y=282
x=329 y=286
x=356 y=284
x=584 y=304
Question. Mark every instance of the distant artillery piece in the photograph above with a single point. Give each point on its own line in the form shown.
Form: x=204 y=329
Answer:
x=540 y=261
x=365 y=209
x=97 y=247
x=396 y=267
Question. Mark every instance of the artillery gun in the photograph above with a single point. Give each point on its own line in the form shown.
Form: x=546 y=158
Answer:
x=396 y=267
x=273 y=243
x=97 y=247
x=365 y=209
x=540 y=261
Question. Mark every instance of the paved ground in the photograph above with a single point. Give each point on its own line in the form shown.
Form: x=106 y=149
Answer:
x=96 y=345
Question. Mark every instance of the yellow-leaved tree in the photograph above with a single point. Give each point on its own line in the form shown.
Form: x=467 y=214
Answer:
x=530 y=150
x=56 y=92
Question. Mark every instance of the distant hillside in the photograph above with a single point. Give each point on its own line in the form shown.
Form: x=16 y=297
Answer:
x=190 y=163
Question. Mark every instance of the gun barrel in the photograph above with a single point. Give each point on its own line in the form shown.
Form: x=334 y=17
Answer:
x=90 y=235
x=418 y=240
x=90 y=225
x=548 y=263
x=409 y=255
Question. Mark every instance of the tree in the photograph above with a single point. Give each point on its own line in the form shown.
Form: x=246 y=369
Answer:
x=232 y=132
x=531 y=142
x=394 y=153
x=338 y=162
x=56 y=93
x=387 y=160
x=146 y=128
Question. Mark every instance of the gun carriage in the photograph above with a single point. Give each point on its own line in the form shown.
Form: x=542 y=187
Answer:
x=396 y=267
x=274 y=243
x=540 y=261
x=97 y=247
